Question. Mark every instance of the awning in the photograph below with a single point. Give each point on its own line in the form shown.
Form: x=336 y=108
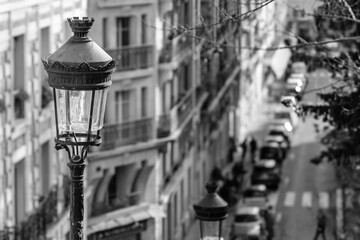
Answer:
x=124 y=217
x=278 y=60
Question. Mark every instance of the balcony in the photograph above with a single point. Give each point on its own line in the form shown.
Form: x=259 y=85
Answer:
x=132 y=58
x=120 y=134
x=116 y=202
x=168 y=122
x=35 y=226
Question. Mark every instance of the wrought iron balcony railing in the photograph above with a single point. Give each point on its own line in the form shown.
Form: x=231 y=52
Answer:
x=35 y=226
x=132 y=58
x=120 y=134
x=116 y=202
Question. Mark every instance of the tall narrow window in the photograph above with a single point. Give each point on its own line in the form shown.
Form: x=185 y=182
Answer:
x=143 y=28
x=104 y=32
x=45 y=168
x=123 y=31
x=20 y=196
x=45 y=47
x=144 y=98
x=124 y=100
x=19 y=77
x=46 y=94
x=186 y=76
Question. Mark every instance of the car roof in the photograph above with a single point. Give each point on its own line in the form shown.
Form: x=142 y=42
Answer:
x=277 y=128
x=248 y=210
x=257 y=187
x=297 y=75
x=275 y=137
x=268 y=163
x=270 y=144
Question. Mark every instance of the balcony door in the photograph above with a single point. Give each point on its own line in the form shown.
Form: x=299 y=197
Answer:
x=123 y=31
x=20 y=192
x=126 y=109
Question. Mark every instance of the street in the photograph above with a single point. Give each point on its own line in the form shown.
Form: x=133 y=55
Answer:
x=306 y=187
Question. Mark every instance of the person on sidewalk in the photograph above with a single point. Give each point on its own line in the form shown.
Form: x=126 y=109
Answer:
x=321 y=226
x=269 y=218
x=253 y=148
x=243 y=146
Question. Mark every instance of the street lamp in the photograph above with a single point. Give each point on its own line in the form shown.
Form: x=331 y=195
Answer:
x=211 y=210
x=80 y=74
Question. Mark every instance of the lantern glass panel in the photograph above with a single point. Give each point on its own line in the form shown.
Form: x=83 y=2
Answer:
x=210 y=230
x=73 y=110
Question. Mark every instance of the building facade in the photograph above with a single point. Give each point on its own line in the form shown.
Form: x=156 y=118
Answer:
x=181 y=100
x=32 y=174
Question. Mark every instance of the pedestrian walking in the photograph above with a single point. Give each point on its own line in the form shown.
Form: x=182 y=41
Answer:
x=243 y=146
x=253 y=148
x=269 y=218
x=321 y=226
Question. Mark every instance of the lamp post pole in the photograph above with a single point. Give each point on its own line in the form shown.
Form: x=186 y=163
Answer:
x=77 y=167
x=80 y=75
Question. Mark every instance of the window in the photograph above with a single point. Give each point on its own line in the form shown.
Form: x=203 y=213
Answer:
x=125 y=102
x=144 y=98
x=20 y=196
x=143 y=28
x=184 y=18
x=104 y=32
x=123 y=31
x=19 y=77
x=45 y=169
x=46 y=93
x=184 y=79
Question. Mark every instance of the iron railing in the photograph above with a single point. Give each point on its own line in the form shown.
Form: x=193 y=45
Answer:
x=132 y=58
x=114 y=202
x=120 y=134
x=34 y=227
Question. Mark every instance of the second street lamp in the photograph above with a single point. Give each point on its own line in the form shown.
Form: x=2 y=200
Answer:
x=80 y=74
x=211 y=211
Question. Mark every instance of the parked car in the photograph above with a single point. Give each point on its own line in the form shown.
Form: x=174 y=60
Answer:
x=295 y=90
x=278 y=137
x=302 y=77
x=282 y=125
x=266 y=172
x=286 y=115
x=271 y=150
x=255 y=195
x=248 y=222
x=299 y=67
x=278 y=127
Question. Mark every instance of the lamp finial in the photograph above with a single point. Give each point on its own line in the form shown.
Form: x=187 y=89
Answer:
x=80 y=27
x=211 y=187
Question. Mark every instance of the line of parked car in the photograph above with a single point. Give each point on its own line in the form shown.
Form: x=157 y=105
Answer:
x=253 y=219
x=297 y=81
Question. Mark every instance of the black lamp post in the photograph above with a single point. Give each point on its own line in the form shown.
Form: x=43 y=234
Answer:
x=210 y=211
x=80 y=74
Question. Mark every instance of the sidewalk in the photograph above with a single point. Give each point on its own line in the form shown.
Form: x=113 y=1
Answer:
x=257 y=130
x=347 y=214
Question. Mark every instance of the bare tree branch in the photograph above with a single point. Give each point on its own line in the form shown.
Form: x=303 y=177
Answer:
x=349 y=9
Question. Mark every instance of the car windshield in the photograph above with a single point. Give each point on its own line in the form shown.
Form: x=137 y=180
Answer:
x=268 y=152
x=254 y=193
x=245 y=218
x=274 y=132
x=259 y=170
x=282 y=115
